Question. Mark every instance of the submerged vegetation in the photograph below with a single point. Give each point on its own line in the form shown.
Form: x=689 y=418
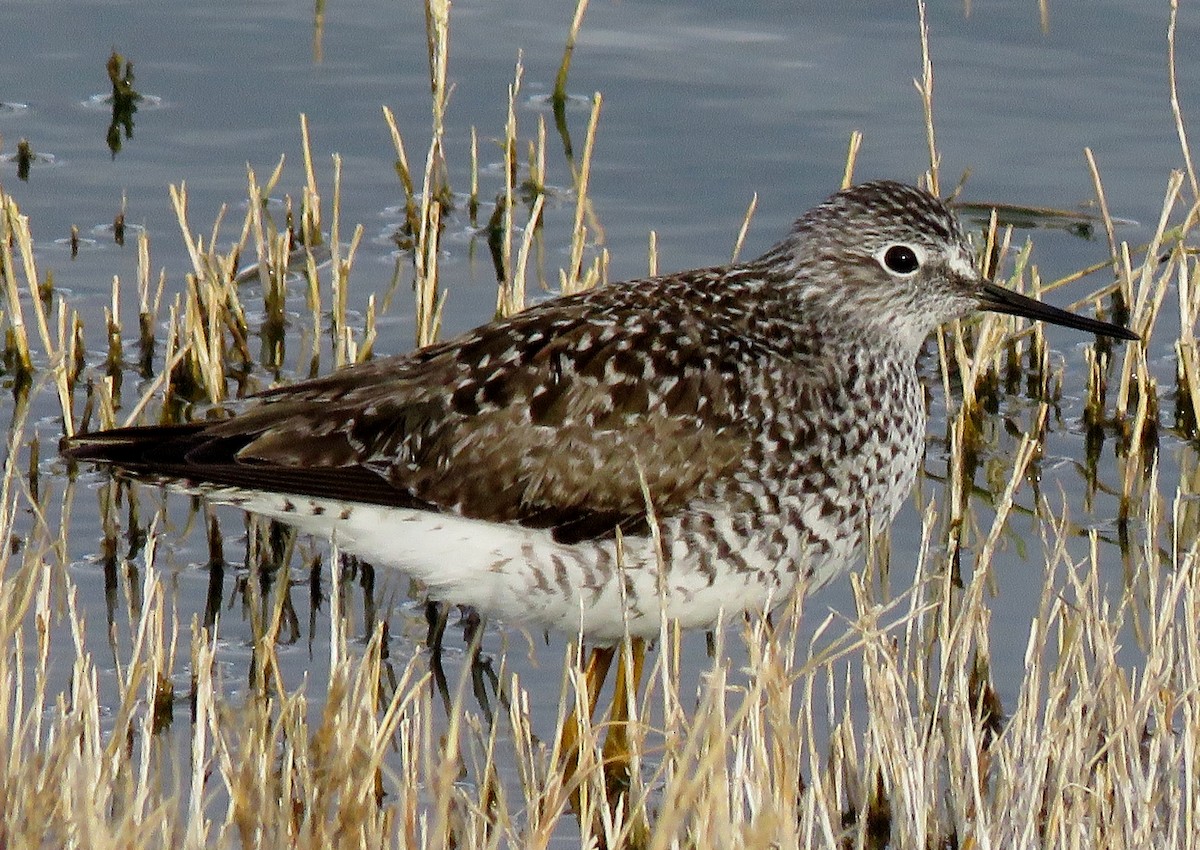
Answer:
x=124 y=101
x=883 y=730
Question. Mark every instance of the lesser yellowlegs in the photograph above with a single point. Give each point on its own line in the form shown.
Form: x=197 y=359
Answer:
x=763 y=415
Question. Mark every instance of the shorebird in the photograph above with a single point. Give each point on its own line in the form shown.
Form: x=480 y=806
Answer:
x=689 y=446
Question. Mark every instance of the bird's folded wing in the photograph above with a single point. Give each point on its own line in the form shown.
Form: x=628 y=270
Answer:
x=567 y=428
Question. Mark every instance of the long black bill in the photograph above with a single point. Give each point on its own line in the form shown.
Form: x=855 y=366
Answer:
x=1000 y=300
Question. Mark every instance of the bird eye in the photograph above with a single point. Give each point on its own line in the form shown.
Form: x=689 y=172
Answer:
x=901 y=259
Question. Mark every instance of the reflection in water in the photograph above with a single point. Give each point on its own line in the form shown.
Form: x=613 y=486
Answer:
x=124 y=101
x=24 y=159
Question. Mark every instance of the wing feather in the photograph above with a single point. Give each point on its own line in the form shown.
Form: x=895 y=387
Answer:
x=553 y=418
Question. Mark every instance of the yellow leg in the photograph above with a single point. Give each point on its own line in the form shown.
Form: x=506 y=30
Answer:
x=616 y=744
x=572 y=729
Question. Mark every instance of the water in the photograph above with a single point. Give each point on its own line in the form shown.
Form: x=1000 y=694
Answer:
x=703 y=107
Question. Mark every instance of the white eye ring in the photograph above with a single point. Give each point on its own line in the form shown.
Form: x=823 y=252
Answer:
x=901 y=258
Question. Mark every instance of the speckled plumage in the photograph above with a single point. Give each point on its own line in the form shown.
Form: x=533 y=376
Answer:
x=761 y=416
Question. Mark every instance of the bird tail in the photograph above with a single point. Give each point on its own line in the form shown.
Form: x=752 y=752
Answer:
x=131 y=447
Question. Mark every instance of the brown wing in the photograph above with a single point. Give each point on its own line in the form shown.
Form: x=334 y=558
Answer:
x=552 y=418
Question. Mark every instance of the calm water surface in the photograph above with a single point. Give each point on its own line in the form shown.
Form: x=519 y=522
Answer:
x=703 y=106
